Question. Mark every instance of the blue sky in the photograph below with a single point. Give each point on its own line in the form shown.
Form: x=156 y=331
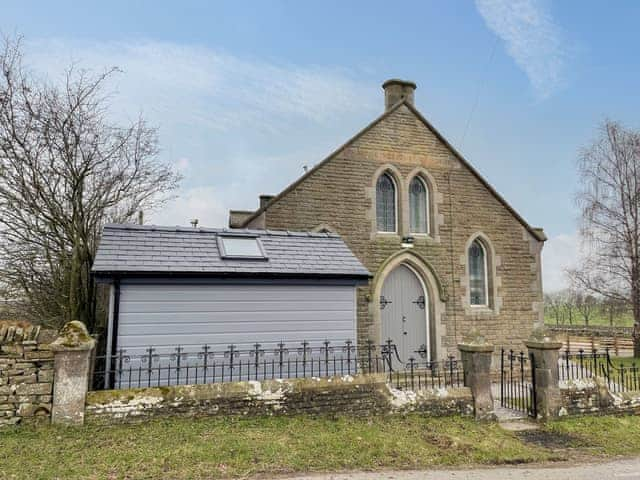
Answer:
x=247 y=93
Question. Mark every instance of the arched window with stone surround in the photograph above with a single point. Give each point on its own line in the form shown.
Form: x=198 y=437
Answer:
x=386 y=203
x=418 y=206
x=478 y=274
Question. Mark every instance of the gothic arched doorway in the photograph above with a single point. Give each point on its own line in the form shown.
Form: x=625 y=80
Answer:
x=404 y=311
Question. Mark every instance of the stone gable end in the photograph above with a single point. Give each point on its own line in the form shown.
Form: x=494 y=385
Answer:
x=340 y=195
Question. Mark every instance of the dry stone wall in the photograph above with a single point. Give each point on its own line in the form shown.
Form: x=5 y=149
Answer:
x=356 y=396
x=26 y=375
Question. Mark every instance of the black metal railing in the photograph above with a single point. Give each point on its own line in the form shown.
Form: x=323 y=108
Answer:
x=583 y=364
x=156 y=366
x=419 y=374
x=517 y=382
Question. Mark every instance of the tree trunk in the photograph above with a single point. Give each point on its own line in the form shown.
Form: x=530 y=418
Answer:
x=635 y=302
x=636 y=335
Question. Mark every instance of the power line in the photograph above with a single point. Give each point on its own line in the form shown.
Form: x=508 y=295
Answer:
x=481 y=84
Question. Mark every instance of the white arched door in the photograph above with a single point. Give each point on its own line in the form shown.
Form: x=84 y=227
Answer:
x=404 y=307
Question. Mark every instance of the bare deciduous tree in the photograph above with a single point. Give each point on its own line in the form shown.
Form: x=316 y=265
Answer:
x=609 y=201
x=65 y=170
x=612 y=309
x=587 y=305
x=568 y=301
x=554 y=303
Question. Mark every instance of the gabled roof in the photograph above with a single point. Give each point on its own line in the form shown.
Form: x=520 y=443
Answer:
x=536 y=232
x=144 y=249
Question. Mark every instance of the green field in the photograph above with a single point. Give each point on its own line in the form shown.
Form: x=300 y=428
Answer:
x=626 y=362
x=597 y=319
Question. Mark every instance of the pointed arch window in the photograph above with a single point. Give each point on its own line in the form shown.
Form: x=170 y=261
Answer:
x=478 y=282
x=386 y=203
x=418 y=206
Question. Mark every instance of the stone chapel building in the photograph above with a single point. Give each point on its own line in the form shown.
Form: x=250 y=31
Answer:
x=446 y=251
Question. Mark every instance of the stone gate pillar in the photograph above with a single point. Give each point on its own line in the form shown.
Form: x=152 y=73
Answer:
x=544 y=350
x=476 y=360
x=72 y=360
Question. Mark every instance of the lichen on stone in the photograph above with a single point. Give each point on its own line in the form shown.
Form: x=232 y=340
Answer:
x=402 y=398
x=542 y=334
x=474 y=337
x=578 y=384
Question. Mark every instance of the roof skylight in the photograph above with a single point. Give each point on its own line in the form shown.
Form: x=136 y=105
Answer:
x=241 y=247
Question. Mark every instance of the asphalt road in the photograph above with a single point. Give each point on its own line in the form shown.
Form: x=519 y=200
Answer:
x=627 y=469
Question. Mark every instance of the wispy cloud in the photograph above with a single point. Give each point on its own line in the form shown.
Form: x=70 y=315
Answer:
x=531 y=38
x=221 y=91
x=233 y=126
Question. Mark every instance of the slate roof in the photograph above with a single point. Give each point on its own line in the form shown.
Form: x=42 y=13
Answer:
x=143 y=249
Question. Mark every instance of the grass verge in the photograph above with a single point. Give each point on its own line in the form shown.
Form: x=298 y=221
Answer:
x=604 y=435
x=210 y=448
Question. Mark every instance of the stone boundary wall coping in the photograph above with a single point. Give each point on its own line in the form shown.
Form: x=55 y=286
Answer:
x=359 y=395
x=17 y=334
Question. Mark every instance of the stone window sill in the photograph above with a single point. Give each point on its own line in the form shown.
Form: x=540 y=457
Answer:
x=481 y=310
x=388 y=236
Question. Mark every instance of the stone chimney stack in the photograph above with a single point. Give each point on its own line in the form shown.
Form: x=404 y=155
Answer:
x=264 y=199
x=396 y=91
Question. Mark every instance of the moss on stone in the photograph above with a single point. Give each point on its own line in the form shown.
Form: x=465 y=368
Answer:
x=74 y=335
x=169 y=393
x=359 y=395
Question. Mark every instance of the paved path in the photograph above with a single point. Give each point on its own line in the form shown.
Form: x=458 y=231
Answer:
x=627 y=469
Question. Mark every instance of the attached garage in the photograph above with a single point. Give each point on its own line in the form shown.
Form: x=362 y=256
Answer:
x=192 y=287
x=232 y=313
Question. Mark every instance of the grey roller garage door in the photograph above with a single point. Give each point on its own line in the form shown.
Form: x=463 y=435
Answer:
x=191 y=316
x=221 y=315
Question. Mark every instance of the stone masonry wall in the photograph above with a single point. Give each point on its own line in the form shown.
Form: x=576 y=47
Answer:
x=26 y=375
x=340 y=195
x=591 y=396
x=357 y=396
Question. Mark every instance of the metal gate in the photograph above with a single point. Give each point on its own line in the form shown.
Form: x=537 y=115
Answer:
x=517 y=382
